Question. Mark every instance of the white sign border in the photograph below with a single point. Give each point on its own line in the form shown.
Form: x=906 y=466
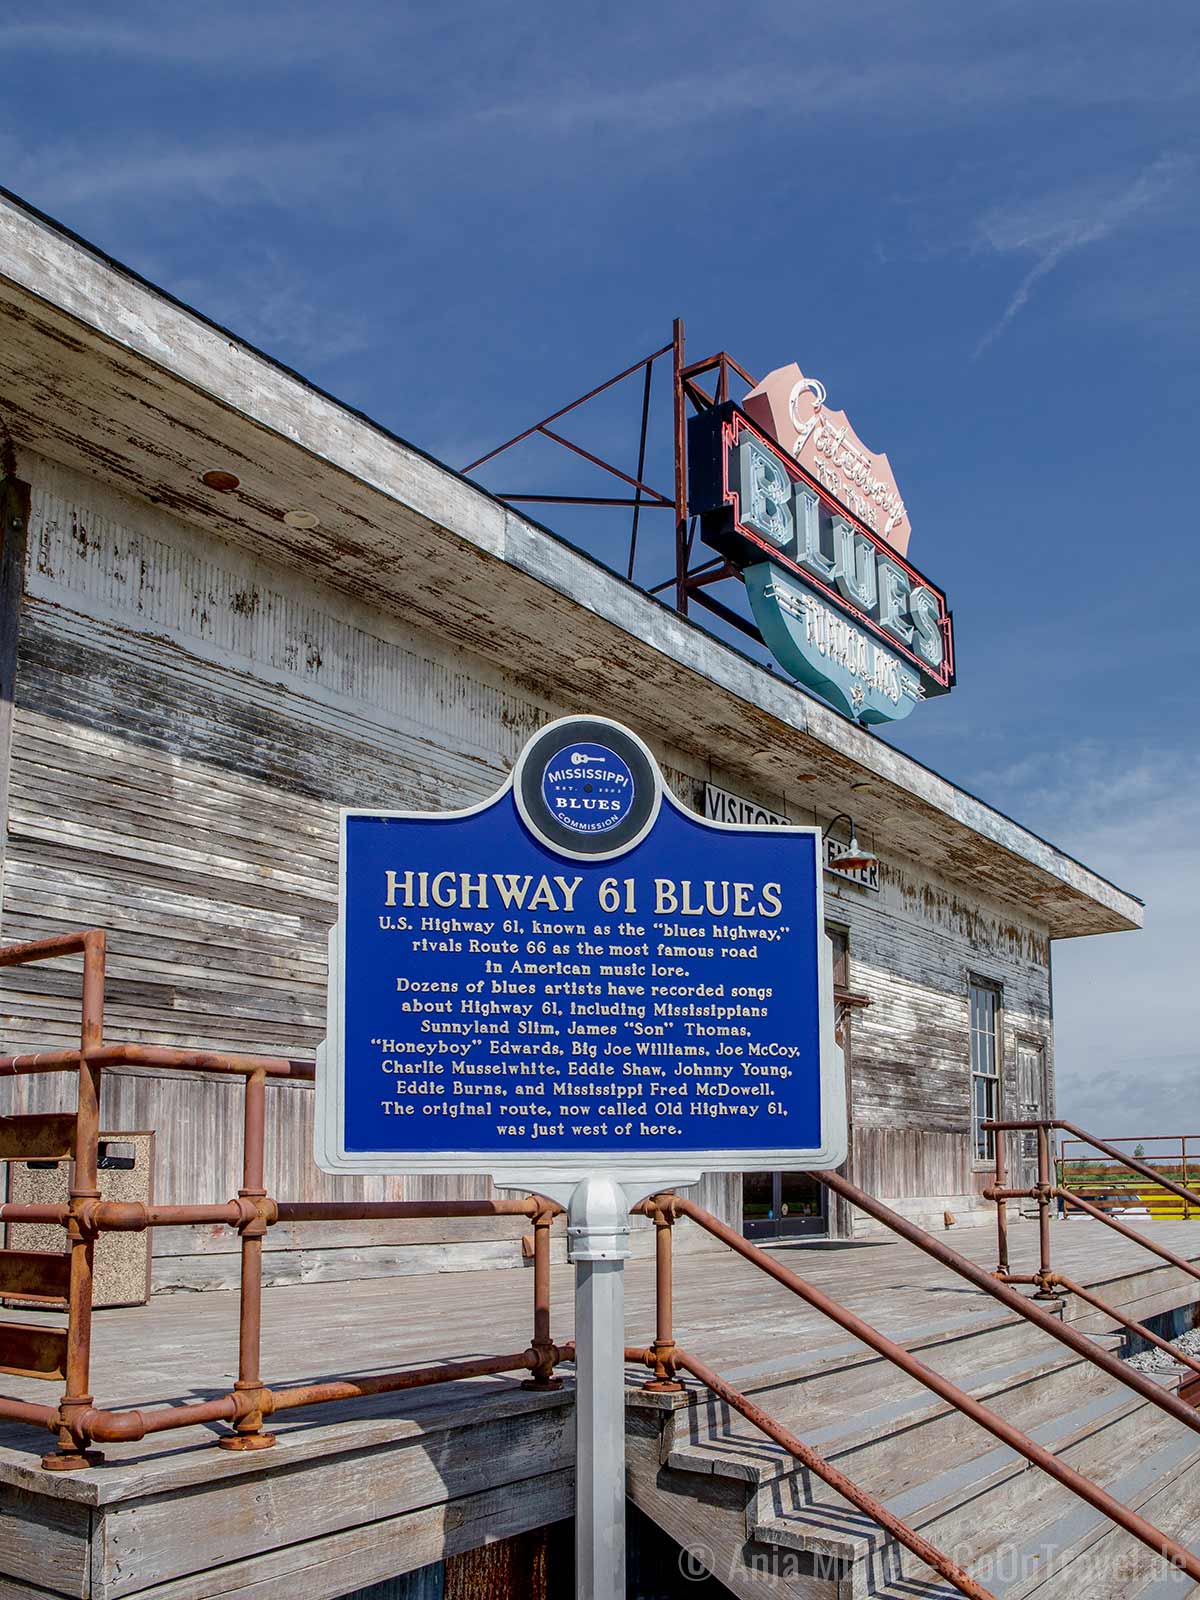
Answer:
x=521 y=1170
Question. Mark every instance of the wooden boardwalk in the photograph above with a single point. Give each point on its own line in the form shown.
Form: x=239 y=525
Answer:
x=183 y=1347
x=500 y=1454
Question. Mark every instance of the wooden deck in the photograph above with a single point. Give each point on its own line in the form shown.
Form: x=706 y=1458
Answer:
x=183 y=1347
x=443 y=1462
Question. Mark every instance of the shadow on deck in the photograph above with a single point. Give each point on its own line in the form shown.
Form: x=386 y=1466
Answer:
x=356 y=1493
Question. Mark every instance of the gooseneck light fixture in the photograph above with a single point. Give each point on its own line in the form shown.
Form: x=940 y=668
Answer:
x=854 y=858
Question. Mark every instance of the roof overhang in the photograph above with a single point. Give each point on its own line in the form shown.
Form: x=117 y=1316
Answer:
x=107 y=374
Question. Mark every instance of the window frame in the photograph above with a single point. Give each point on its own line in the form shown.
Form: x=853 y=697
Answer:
x=983 y=1145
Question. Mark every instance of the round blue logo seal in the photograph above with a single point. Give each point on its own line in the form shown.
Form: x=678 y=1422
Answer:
x=588 y=788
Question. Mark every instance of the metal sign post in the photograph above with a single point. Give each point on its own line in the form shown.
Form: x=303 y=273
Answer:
x=582 y=989
x=598 y=1224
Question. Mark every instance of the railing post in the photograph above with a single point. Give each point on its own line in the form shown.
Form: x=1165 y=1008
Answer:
x=248 y=1430
x=542 y=1376
x=1002 y=1263
x=664 y=1380
x=73 y=1452
x=1187 y=1206
x=1045 y=1194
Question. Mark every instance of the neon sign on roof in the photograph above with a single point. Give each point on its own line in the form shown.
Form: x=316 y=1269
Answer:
x=816 y=525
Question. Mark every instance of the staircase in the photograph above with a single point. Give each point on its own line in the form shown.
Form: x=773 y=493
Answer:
x=764 y=1528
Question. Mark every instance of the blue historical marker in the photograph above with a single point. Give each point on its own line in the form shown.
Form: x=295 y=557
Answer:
x=579 y=975
x=580 y=988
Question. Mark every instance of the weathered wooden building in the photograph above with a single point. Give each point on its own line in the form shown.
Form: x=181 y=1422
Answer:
x=197 y=675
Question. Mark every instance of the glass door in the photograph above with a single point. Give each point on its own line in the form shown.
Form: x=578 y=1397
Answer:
x=792 y=1205
x=783 y=1205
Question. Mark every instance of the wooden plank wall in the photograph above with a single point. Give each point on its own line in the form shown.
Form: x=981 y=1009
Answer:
x=188 y=720
x=914 y=948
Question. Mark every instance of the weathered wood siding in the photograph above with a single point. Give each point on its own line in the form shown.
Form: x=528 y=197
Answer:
x=187 y=721
x=913 y=949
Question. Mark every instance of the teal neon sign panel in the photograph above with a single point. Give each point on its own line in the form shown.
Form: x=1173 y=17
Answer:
x=840 y=609
x=823 y=648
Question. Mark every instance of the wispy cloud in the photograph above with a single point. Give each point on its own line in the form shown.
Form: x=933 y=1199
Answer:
x=1061 y=224
x=225 y=36
x=272 y=303
x=182 y=40
x=233 y=171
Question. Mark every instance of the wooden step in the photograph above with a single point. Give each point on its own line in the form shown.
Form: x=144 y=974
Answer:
x=1094 y=1558
x=31 y=1352
x=707 y=1516
x=1067 y=1551
x=866 y=1389
x=34 y=1274
x=924 y=1459
x=48 y=1136
x=965 y=1510
x=885 y=1447
x=711 y=1476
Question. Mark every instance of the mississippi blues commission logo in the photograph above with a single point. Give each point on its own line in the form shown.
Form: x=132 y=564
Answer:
x=588 y=789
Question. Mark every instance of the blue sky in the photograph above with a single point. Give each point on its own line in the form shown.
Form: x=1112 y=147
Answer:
x=977 y=224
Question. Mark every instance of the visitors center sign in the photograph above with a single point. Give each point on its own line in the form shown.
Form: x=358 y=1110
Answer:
x=579 y=975
x=816 y=526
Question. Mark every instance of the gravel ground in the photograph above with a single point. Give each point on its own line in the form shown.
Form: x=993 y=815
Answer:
x=1159 y=1361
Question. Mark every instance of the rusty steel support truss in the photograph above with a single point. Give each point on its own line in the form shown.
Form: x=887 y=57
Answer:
x=687 y=584
x=76 y=1421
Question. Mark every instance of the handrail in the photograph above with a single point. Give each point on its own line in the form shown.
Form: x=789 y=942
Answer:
x=156 y=1055
x=669 y=1206
x=1176 y=1142
x=1139 y=1328
x=999 y=1290
x=252 y=1212
x=1047 y=1282
x=816 y=1464
x=1071 y=1158
x=121 y=1426
x=1123 y=1228
x=1111 y=1151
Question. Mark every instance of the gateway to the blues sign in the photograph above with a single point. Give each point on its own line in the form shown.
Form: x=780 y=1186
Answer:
x=814 y=522
x=578 y=976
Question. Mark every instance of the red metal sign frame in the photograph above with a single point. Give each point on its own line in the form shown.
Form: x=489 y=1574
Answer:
x=730 y=434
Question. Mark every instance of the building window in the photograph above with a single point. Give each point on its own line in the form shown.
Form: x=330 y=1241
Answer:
x=985 y=1067
x=839 y=938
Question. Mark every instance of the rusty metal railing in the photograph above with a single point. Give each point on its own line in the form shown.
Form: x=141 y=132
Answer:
x=51 y=1353
x=1090 y=1175
x=1050 y=1189
x=1047 y=1193
x=77 y=1422
x=666 y=1359
x=684 y=1361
